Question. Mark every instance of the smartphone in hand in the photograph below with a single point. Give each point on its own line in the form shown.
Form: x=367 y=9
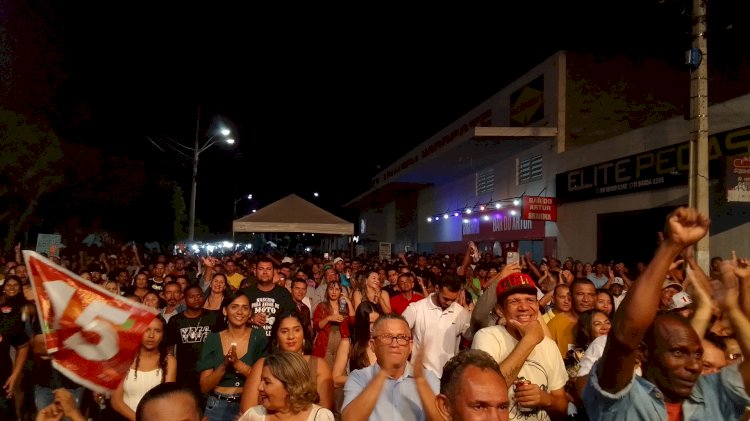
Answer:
x=512 y=257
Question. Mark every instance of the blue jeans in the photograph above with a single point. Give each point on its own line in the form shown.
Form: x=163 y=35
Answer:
x=44 y=396
x=222 y=409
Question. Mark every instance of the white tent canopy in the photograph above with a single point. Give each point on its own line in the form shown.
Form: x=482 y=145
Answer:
x=293 y=214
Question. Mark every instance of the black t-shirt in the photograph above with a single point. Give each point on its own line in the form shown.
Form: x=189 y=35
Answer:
x=12 y=334
x=189 y=335
x=273 y=302
x=157 y=287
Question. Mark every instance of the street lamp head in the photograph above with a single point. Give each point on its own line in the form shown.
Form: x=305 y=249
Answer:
x=230 y=141
x=225 y=132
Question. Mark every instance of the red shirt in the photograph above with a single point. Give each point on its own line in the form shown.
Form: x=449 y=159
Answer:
x=399 y=302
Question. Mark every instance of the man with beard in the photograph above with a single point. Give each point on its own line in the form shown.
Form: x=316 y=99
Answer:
x=671 y=387
x=187 y=331
x=266 y=298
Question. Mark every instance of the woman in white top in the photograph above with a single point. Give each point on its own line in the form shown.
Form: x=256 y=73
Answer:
x=152 y=366
x=287 y=391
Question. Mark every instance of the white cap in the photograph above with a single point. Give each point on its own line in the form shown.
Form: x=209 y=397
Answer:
x=680 y=300
x=618 y=280
x=287 y=259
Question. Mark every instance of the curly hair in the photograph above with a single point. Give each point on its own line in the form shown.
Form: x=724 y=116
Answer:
x=162 y=354
x=292 y=371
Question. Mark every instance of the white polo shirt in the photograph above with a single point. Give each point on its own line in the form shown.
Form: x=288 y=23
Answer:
x=439 y=330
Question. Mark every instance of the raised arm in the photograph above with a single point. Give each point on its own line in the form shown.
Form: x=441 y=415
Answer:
x=727 y=297
x=465 y=262
x=638 y=310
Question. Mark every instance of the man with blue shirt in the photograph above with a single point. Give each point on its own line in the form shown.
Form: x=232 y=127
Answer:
x=390 y=389
x=671 y=387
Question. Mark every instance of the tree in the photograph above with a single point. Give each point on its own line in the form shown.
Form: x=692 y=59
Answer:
x=29 y=170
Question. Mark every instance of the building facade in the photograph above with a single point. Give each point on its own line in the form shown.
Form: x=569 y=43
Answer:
x=580 y=157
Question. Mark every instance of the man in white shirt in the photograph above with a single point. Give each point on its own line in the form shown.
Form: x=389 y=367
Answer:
x=441 y=317
x=530 y=362
x=618 y=291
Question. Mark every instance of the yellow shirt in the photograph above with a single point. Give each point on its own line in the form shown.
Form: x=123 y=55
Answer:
x=235 y=280
x=562 y=329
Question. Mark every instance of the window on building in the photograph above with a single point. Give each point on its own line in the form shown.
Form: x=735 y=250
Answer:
x=529 y=169
x=485 y=181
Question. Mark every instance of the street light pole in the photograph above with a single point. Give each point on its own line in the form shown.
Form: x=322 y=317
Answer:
x=197 y=149
x=194 y=187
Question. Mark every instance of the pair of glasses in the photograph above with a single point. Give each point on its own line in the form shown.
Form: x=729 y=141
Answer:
x=402 y=340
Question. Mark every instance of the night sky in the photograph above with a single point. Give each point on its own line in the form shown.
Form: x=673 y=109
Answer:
x=319 y=97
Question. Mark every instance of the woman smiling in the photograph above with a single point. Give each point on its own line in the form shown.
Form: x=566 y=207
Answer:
x=227 y=358
x=287 y=391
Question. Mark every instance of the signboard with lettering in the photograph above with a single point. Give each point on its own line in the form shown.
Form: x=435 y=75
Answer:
x=503 y=228
x=539 y=208
x=664 y=167
x=527 y=103
x=384 y=251
x=738 y=179
x=49 y=243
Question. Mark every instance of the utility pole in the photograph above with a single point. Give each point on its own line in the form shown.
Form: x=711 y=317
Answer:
x=698 y=181
x=194 y=188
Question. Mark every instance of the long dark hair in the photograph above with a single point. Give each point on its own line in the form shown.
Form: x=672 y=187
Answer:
x=361 y=337
x=162 y=352
x=273 y=344
x=585 y=327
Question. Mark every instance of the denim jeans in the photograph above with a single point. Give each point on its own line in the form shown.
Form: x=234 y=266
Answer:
x=44 y=396
x=222 y=409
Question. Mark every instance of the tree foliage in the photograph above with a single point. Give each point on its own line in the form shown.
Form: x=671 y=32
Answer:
x=29 y=169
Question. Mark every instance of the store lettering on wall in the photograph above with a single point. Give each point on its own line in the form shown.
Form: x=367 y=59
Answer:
x=511 y=223
x=471 y=227
x=484 y=119
x=664 y=167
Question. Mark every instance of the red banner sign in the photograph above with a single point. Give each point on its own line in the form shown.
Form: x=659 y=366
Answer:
x=539 y=208
x=91 y=334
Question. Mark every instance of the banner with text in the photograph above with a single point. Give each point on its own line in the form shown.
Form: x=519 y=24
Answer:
x=503 y=228
x=738 y=179
x=539 y=208
x=91 y=334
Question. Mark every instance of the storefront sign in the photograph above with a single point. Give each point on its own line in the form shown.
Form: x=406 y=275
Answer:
x=527 y=103
x=655 y=169
x=482 y=119
x=539 y=208
x=503 y=228
x=738 y=179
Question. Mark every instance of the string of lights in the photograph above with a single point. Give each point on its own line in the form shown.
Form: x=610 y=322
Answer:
x=483 y=211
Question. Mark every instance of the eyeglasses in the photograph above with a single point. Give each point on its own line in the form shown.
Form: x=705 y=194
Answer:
x=402 y=340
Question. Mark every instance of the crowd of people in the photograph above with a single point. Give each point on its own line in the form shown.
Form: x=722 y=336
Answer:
x=417 y=337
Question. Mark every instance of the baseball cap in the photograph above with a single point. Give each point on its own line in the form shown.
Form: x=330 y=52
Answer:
x=287 y=259
x=671 y=283
x=618 y=280
x=514 y=283
x=680 y=301
x=338 y=259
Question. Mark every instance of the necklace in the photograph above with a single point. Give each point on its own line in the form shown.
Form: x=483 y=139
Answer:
x=233 y=339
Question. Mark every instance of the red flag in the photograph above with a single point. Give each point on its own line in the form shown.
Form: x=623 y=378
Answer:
x=91 y=334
